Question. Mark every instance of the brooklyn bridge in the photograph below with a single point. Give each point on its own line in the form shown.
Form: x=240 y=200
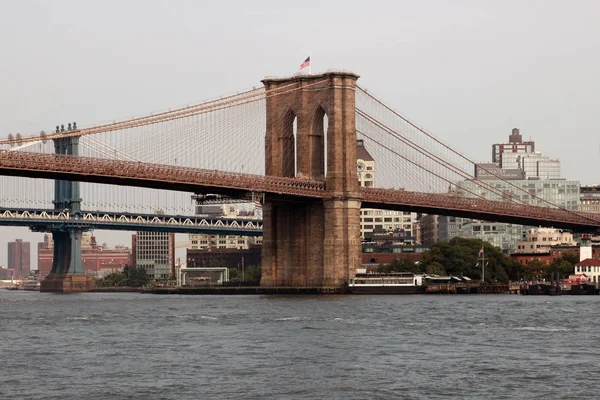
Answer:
x=293 y=141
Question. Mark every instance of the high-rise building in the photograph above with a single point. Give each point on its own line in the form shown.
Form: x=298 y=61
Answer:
x=518 y=155
x=155 y=252
x=19 y=258
x=516 y=172
x=532 y=178
x=515 y=145
x=374 y=219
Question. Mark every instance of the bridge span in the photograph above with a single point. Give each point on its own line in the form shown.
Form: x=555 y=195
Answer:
x=295 y=141
x=128 y=173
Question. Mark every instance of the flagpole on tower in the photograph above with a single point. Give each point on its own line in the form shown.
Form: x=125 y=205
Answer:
x=310 y=64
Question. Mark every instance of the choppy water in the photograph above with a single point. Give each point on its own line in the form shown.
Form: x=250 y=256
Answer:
x=133 y=346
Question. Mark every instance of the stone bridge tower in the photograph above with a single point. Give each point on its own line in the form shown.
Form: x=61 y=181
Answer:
x=311 y=133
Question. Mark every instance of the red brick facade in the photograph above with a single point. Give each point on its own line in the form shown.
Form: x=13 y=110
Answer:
x=554 y=253
x=94 y=260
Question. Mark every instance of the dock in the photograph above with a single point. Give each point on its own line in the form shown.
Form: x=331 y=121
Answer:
x=244 y=290
x=466 y=288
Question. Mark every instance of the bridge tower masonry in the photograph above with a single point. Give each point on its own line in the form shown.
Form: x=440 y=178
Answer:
x=67 y=274
x=312 y=243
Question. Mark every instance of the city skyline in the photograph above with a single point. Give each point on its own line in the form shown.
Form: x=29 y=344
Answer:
x=468 y=79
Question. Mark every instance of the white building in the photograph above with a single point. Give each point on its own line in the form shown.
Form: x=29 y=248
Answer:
x=539 y=240
x=591 y=268
x=207 y=241
x=374 y=219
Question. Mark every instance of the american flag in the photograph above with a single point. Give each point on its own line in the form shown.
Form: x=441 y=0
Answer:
x=305 y=64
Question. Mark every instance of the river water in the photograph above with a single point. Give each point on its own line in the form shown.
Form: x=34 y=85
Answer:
x=134 y=346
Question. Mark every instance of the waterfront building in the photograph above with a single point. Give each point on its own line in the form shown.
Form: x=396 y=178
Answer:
x=590 y=199
x=19 y=258
x=201 y=276
x=540 y=240
x=374 y=219
x=231 y=258
x=155 y=252
x=501 y=235
x=98 y=260
x=591 y=268
x=558 y=251
x=448 y=227
x=439 y=228
x=417 y=232
x=429 y=229
x=208 y=241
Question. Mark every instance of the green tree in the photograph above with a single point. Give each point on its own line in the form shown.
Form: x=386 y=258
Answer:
x=111 y=280
x=252 y=273
x=459 y=257
x=435 y=268
x=234 y=274
x=536 y=269
x=398 y=265
x=564 y=265
x=571 y=257
x=135 y=276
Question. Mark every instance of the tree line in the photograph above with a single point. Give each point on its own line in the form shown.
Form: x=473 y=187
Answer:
x=131 y=276
x=460 y=257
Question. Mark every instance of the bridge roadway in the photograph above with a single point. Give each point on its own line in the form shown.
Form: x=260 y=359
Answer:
x=43 y=220
x=128 y=173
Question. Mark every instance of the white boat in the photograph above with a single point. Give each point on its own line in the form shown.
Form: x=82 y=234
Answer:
x=386 y=283
x=30 y=285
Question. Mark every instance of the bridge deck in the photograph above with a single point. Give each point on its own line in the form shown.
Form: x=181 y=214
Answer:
x=50 y=166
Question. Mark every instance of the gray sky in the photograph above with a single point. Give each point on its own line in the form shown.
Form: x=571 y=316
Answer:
x=468 y=71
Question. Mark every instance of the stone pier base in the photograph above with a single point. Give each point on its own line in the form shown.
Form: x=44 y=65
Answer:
x=67 y=283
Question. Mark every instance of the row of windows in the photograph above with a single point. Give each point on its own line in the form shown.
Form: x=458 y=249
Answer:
x=587 y=268
x=386 y=227
x=383 y=212
x=546 y=239
x=386 y=219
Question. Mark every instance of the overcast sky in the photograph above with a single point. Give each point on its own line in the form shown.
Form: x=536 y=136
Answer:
x=468 y=71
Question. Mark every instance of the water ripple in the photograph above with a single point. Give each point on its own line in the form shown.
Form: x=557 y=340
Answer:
x=133 y=346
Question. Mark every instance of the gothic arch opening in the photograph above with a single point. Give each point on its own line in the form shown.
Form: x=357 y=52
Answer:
x=318 y=144
x=288 y=144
